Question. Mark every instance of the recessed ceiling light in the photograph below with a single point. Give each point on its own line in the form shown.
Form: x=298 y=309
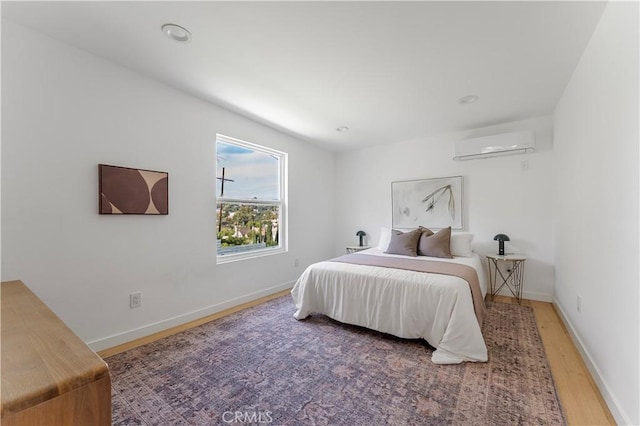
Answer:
x=342 y=129
x=468 y=99
x=177 y=33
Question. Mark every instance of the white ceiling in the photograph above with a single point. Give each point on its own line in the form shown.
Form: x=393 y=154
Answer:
x=390 y=71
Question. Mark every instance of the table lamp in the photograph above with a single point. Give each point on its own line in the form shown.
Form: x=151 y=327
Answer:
x=361 y=234
x=501 y=238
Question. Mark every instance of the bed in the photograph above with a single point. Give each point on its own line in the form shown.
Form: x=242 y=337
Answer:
x=409 y=304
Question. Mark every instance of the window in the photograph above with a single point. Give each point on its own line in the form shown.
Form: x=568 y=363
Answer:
x=251 y=200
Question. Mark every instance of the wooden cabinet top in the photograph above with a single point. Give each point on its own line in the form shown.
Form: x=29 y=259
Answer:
x=41 y=357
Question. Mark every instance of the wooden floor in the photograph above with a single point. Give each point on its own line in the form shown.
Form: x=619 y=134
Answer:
x=579 y=396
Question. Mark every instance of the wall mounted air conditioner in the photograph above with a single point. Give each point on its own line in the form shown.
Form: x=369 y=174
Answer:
x=495 y=145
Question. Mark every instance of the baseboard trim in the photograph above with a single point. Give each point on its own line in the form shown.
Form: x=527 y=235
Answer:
x=106 y=344
x=540 y=297
x=612 y=402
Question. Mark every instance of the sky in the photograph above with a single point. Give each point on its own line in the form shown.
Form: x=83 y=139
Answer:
x=254 y=173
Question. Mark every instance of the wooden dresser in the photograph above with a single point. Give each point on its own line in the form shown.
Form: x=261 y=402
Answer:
x=49 y=376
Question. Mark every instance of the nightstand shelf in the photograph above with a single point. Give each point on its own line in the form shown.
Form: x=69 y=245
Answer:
x=355 y=249
x=514 y=278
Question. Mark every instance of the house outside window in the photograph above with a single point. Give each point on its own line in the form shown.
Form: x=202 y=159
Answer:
x=251 y=206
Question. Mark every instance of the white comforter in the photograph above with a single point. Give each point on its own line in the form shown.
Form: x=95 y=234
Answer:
x=407 y=304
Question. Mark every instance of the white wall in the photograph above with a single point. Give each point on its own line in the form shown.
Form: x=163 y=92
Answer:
x=65 y=111
x=499 y=197
x=596 y=207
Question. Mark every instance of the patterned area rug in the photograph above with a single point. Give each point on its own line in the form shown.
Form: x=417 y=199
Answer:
x=261 y=366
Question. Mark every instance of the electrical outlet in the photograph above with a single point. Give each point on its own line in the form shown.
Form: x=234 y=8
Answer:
x=135 y=300
x=579 y=303
x=296 y=262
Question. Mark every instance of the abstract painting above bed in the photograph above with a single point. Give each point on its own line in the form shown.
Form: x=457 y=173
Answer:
x=434 y=203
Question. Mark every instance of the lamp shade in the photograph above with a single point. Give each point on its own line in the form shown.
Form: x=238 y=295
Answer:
x=501 y=238
x=361 y=234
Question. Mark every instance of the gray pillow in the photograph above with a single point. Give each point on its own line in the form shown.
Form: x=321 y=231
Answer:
x=436 y=245
x=405 y=243
x=425 y=230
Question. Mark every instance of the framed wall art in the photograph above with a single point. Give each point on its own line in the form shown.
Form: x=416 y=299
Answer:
x=433 y=203
x=123 y=190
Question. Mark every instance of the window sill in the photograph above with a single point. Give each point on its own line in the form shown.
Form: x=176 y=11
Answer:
x=236 y=257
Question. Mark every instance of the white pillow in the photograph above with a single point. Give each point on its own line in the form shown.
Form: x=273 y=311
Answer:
x=385 y=239
x=461 y=244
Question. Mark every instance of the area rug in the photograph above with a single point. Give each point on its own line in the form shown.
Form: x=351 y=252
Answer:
x=261 y=366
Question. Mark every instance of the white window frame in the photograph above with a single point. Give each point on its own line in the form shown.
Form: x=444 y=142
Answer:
x=282 y=203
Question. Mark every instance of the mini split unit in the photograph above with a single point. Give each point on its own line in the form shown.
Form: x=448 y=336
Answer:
x=495 y=145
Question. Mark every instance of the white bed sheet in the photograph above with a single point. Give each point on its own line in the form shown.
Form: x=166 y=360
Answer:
x=407 y=304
